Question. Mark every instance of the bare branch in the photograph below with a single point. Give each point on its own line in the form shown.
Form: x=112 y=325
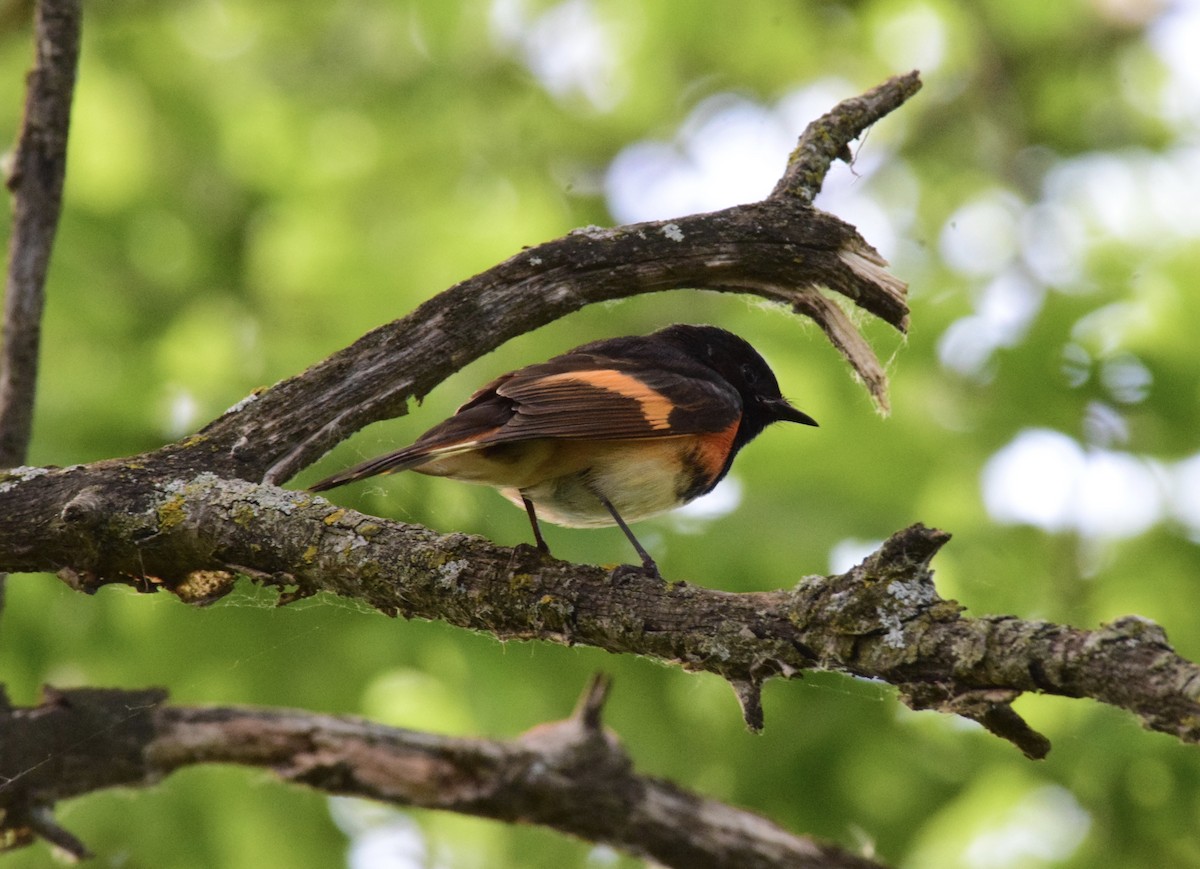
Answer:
x=571 y=776
x=36 y=180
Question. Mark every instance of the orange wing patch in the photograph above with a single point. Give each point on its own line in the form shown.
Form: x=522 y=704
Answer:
x=655 y=407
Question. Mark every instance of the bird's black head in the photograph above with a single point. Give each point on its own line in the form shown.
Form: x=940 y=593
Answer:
x=740 y=364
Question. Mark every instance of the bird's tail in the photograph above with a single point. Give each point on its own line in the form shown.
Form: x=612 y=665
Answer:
x=401 y=460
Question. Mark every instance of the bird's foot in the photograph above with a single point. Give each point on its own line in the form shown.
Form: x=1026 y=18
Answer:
x=626 y=572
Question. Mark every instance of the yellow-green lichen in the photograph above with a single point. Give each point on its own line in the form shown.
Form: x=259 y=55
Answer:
x=171 y=513
x=244 y=516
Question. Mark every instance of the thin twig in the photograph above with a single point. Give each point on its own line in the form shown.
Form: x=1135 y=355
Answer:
x=827 y=138
x=36 y=180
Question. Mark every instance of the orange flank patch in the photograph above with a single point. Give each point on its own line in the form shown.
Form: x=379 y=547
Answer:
x=655 y=406
x=712 y=450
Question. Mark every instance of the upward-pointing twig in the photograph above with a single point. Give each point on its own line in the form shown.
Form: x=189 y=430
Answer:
x=36 y=181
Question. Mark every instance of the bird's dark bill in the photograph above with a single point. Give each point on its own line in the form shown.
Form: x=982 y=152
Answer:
x=786 y=413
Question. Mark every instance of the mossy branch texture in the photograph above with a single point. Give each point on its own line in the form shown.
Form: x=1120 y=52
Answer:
x=883 y=620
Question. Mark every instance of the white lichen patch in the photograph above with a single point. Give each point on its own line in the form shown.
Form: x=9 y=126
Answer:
x=25 y=472
x=449 y=572
x=203 y=479
x=912 y=593
x=241 y=405
x=592 y=231
x=20 y=475
x=672 y=231
x=894 y=638
x=283 y=500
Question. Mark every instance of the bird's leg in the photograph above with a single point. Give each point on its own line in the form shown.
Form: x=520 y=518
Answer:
x=533 y=522
x=648 y=564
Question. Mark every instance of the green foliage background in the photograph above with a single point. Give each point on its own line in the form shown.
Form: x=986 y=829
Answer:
x=255 y=183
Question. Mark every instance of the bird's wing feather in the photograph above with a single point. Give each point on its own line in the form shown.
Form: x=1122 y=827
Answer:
x=587 y=396
x=584 y=394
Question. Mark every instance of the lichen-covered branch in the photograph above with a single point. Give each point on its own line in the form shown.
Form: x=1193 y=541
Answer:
x=571 y=775
x=827 y=138
x=882 y=620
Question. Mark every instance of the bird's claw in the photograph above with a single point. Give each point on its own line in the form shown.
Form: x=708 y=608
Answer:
x=626 y=572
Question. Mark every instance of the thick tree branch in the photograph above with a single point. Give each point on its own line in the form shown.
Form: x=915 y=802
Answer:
x=571 y=775
x=883 y=620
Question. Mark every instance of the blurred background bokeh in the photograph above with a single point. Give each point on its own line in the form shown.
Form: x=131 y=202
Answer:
x=254 y=183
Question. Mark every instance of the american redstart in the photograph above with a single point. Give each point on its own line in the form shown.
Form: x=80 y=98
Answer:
x=608 y=433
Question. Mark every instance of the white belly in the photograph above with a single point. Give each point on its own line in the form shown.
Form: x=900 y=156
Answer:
x=639 y=478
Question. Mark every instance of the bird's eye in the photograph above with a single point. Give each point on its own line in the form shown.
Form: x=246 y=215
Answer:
x=749 y=373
